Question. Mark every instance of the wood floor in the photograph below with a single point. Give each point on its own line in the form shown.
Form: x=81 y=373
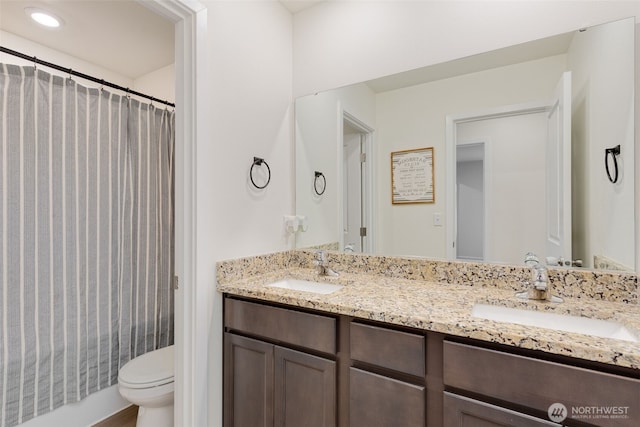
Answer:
x=124 y=418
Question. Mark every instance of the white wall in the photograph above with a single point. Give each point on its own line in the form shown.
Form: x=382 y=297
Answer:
x=249 y=97
x=603 y=210
x=250 y=105
x=44 y=53
x=340 y=43
x=160 y=84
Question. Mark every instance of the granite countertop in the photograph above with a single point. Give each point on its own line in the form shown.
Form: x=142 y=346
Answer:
x=446 y=308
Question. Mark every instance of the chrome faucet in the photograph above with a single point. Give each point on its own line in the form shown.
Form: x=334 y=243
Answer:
x=539 y=288
x=322 y=267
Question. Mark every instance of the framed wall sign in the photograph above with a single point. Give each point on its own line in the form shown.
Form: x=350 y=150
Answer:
x=412 y=176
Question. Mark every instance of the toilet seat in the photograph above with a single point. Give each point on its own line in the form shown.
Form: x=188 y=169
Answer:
x=152 y=369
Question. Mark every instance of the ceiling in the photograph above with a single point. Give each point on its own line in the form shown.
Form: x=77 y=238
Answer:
x=296 y=6
x=120 y=35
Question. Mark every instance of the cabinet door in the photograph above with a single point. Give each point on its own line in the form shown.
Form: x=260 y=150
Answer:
x=248 y=382
x=461 y=411
x=305 y=390
x=375 y=400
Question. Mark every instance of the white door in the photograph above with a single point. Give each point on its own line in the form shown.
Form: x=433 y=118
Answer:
x=357 y=186
x=352 y=193
x=558 y=173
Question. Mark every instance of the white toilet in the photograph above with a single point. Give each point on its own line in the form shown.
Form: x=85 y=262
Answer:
x=147 y=381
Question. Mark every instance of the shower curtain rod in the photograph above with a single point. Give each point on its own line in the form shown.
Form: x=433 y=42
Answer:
x=72 y=72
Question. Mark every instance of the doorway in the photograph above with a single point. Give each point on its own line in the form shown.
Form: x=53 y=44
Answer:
x=471 y=201
x=529 y=176
x=512 y=181
x=357 y=197
x=191 y=317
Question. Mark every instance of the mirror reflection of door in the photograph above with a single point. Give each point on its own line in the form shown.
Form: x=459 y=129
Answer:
x=558 y=178
x=470 y=202
x=515 y=179
x=357 y=231
x=527 y=176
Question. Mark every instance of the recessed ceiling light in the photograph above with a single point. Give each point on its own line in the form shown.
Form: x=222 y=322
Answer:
x=43 y=17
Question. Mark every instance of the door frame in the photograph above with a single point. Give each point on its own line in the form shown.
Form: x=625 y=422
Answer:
x=368 y=194
x=451 y=140
x=191 y=311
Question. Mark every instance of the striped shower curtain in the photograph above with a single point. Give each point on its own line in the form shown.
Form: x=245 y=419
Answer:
x=86 y=232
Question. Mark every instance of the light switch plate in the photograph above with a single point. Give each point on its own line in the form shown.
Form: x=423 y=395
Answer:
x=437 y=219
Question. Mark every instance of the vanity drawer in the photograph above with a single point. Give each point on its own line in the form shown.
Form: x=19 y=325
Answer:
x=388 y=348
x=538 y=383
x=293 y=327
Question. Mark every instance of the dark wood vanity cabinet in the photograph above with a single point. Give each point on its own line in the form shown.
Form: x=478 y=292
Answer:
x=268 y=384
x=296 y=367
x=291 y=367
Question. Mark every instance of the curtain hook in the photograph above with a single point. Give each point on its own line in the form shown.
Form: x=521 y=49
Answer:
x=35 y=63
x=71 y=74
x=101 y=85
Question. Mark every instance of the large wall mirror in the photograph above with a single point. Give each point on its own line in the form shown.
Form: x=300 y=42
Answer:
x=522 y=138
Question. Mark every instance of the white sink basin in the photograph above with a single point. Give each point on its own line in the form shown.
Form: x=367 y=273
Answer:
x=306 y=286
x=559 y=322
